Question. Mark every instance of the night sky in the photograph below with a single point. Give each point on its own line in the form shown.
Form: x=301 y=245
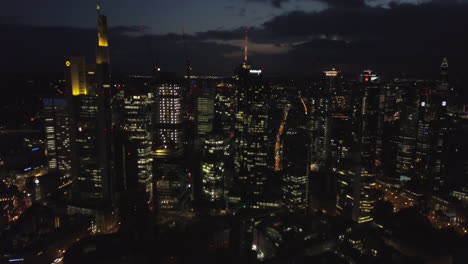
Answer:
x=288 y=37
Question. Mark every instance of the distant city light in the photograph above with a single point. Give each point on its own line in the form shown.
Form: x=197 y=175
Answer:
x=423 y=104
x=256 y=71
x=16 y=260
x=35 y=149
x=332 y=73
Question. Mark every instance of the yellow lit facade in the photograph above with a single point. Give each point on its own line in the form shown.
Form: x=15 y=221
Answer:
x=102 y=41
x=77 y=70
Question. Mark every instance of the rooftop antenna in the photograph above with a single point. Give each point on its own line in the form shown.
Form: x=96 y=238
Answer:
x=98 y=7
x=188 y=64
x=154 y=62
x=444 y=63
x=246 y=43
x=155 y=65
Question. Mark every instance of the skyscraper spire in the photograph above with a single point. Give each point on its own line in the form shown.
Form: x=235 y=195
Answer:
x=98 y=7
x=188 y=64
x=444 y=71
x=246 y=43
x=102 y=53
x=444 y=63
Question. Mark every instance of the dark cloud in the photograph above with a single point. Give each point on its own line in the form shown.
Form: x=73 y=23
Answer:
x=274 y=3
x=344 y=3
x=42 y=49
x=10 y=20
x=331 y=3
x=404 y=38
x=278 y=3
x=129 y=29
x=242 y=12
x=220 y=34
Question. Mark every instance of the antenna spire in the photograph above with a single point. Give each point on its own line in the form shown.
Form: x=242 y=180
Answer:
x=246 y=45
x=188 y=63
x=444 y=63
x=98 y=7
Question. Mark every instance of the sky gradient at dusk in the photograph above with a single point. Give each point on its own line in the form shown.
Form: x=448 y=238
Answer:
x=287 y=36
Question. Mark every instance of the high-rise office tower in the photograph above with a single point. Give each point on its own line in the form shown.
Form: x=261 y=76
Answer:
x=132 y=135
x=168 y=145
x=341 y=112
x=170 y=183
x=357 y=175
x=213 y=169
x=91 y=148
x=104 y=114
x=224 y=102
x=168 y=119
x=91 y=135
x=434 y=129
x=332 y=79
x=444 y=71
x=87 y=174
x=320 y=126
x=251 y=133
x=205 y=110
x=296 y=157
x=407 y=107
x=203 y=91
x=137 y=127
x=57 y=132
x=321 y=119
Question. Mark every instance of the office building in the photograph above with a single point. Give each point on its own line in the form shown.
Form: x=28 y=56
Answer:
x=57 y=133
x=251 y=137
x=213 y=170
x=137 y=127
x=91 y=135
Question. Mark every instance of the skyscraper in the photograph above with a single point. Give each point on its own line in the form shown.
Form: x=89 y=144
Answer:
x=137 y=126
x=213 y=170
x=356 y=175
x=407 y=107
x=91 y=149
x=91 y=135
x=168 y=145
x=168 y=119
x=86 y=172
x=204 y=93
x=296 y=157
x=251 y=133
x=433 y=131
x=444 y=71
x=320 y=127
x=57 y=132
x=224 y=102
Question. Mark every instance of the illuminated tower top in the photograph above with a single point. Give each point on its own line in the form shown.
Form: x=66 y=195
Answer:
x=102 y=53
x=444 y=71
x=444 y=64
x=246 y=65
x=246 y=43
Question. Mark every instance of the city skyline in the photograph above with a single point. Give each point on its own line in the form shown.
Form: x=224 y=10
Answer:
x=403 y=37
x=311 y=137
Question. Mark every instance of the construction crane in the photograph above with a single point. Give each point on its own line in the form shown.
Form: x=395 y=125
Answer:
x=188 y=63
x=154 y=64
